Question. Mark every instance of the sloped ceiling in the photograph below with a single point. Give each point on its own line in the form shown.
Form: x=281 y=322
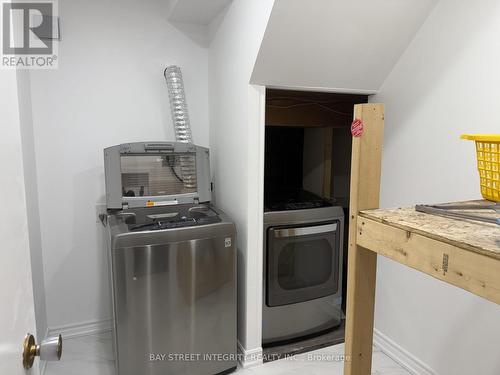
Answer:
x=336 y=45
x=199 y=12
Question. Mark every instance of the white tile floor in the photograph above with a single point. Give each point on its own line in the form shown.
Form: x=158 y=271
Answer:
x=92 y=355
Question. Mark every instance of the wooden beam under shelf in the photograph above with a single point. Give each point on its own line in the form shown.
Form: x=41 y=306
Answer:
x=472 y=271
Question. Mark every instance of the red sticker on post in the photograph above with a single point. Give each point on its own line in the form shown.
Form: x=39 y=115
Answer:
x=357 y=128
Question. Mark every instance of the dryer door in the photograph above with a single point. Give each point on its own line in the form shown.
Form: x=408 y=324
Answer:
x=302 y=262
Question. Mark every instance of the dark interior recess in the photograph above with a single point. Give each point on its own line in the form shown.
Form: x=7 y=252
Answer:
x=307 y=133
x=283 y=165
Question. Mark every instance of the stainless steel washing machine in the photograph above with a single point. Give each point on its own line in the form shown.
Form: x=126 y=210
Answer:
x=172 y=263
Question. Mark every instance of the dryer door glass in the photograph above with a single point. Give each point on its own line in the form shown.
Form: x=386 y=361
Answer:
x=305 y=263
x=302 y=263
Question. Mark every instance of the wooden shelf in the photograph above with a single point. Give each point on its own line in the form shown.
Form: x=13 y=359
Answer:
x=463 y=253
x=460 y=252
x=470 y=235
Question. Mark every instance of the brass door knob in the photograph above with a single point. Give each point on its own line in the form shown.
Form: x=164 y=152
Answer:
x=49 y=350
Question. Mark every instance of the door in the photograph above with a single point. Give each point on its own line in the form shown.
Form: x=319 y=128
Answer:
x=302 y=262
x=17 y=312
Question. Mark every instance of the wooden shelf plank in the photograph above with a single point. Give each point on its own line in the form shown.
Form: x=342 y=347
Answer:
x=479 y=237
x=469 y=270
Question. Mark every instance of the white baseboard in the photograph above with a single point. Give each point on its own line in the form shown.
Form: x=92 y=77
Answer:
x=400 y=355
x=254 y=357
x=70 y=331
x=249 y=358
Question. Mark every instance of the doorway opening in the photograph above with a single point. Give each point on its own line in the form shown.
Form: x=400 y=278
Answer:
x=308 y=146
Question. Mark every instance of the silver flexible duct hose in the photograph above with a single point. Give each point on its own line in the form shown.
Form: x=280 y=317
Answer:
x=178 y=104
x=180 y=118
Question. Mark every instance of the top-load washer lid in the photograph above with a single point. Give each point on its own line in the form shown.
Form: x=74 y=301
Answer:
x=147 y=174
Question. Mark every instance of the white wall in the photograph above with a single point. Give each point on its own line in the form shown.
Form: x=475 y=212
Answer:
x=109 y=89
x=236 y=138
x=445 y=84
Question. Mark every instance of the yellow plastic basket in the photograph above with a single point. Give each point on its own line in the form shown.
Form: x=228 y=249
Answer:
x=488 y=163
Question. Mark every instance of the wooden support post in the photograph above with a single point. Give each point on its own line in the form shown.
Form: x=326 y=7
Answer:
x=362 y=264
